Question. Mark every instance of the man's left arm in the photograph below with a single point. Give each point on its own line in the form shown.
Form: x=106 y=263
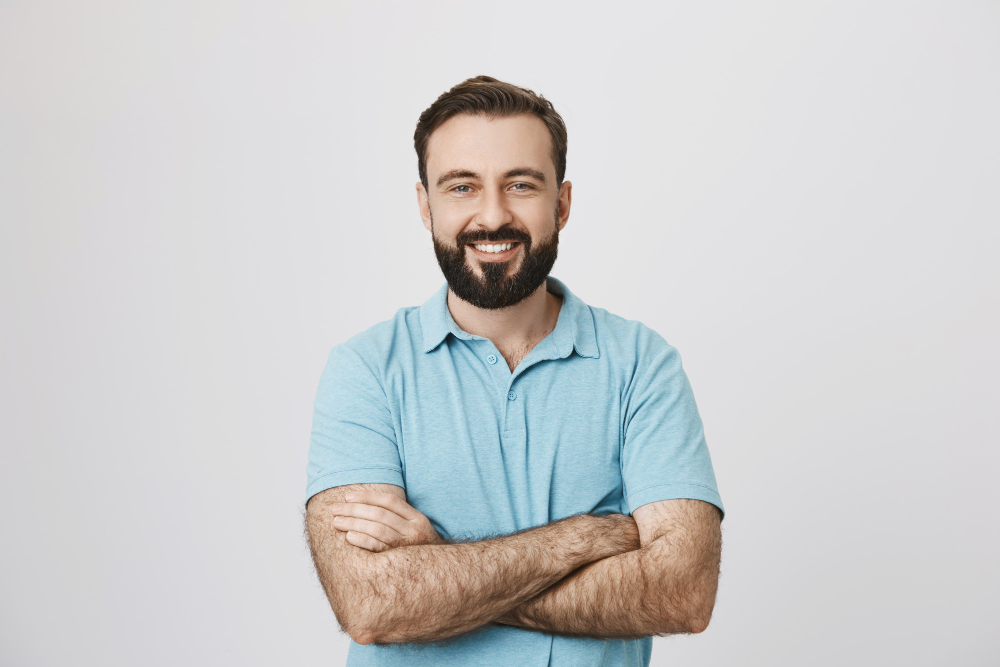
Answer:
x=667 y=586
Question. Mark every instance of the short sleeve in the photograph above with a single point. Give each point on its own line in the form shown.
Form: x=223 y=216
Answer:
x=353 y=440
x=664 y=455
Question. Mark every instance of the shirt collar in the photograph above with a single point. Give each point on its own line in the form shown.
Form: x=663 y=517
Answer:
x=574 y=329
x=436 y=320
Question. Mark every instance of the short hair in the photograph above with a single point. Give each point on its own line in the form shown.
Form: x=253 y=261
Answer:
x=486 y=96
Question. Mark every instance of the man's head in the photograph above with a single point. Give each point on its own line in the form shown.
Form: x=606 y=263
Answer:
x=492 y=158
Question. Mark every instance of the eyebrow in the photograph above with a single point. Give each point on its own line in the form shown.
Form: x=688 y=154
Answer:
x=456 y=173
x=525 y=171
x=465 y=173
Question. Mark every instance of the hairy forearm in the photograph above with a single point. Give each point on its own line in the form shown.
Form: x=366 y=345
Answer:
x=614 y=597
x=666 y=587
x=431 y=592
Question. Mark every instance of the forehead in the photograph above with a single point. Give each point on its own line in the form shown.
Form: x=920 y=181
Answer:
x=483 y=145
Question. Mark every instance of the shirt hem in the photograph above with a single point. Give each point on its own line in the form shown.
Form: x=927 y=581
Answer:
x=652 y=494
x=362 y=475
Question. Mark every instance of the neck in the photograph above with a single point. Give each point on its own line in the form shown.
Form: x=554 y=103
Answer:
x=519 y=327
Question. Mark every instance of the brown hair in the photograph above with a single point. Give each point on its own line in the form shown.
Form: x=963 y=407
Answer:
x=484 y=95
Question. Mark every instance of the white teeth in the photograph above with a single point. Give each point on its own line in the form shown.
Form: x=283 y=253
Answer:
x=494 y=247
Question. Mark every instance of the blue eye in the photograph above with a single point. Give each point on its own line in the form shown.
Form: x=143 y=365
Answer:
x=462 y=189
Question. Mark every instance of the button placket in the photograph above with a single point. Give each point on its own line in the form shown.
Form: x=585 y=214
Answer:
x=513 y=408
x=497 y=369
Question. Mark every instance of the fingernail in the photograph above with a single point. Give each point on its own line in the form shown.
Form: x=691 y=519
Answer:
x=337 y=508
x=338 y=519
x=349 y=496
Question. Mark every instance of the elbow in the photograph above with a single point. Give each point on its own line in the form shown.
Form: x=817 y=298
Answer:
x=698 y=625
x=374 y=633
x=360 y=621
x=373 y=624
x=362 y=635
x=682 y=624
x=356 y=628
x=364 y=614
x=367 y=625
x=685 y=616
x=699 y=614
x=363 y=629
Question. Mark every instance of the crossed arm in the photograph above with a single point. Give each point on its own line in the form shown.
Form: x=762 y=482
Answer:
x=390 y=578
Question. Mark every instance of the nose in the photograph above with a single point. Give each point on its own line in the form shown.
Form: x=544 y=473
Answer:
x=495 y=212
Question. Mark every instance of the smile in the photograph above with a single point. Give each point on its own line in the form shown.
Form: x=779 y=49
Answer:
x=493 y=247
x=494 y=252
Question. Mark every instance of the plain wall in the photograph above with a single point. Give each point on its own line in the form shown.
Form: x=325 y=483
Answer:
x=198 y=200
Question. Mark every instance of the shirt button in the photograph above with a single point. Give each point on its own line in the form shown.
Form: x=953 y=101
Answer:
x=512 y=396
x=492 y=359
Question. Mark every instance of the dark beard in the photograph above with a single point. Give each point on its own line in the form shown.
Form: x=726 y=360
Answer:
x=496 y=290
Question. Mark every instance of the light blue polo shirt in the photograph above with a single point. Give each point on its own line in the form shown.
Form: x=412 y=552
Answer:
x=598 y=418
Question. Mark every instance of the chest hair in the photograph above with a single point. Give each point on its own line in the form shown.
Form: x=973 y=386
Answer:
x=514 y=355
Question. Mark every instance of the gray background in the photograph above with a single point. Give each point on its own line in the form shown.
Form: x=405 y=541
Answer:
x=199 y=199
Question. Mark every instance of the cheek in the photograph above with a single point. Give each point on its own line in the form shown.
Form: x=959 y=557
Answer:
x=447 y=221
x=540 y=220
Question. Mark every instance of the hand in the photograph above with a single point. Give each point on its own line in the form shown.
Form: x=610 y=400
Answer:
x=381 y=521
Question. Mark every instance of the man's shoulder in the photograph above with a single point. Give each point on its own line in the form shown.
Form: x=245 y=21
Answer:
x=625 y=339
x=379 y=342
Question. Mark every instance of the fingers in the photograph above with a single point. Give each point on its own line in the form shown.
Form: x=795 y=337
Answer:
x=385 y=500
x=372 y=513
x=400 y=524
x=373 y=529
x=365 y=541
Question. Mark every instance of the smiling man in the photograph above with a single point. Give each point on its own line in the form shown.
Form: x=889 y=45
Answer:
x=506 y=475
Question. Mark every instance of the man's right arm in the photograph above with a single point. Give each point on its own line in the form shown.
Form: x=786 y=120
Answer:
x=435 y=591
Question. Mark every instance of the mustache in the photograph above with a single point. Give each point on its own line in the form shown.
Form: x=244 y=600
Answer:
x=505 y=233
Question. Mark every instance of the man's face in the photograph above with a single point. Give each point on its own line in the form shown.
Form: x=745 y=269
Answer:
x=493 y=206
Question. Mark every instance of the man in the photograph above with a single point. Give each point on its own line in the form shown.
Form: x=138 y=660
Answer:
x=474 y=461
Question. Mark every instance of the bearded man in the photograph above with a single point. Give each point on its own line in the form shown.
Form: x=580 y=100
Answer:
x=506 y=475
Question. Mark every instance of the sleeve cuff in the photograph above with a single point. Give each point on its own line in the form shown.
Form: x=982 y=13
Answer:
x=651 y=494
x=355 y=476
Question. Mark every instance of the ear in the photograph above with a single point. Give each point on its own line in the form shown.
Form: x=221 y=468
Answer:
x=424 y=204
x=565 y=200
